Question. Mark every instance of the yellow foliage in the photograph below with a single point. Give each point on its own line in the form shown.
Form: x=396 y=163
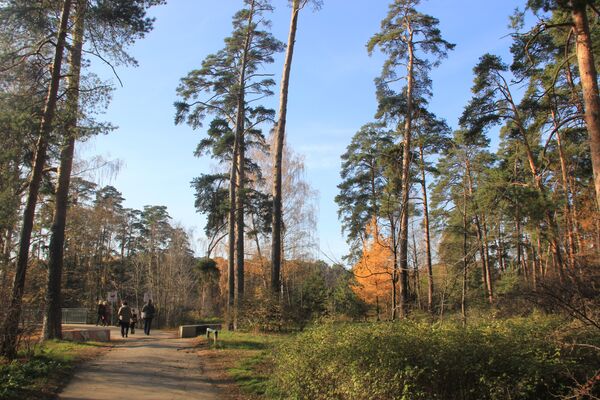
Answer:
x=374 y=270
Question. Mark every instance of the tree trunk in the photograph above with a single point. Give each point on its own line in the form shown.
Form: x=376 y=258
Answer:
x=518 y=237
x=589 y=84
x=231 y=244
x=539 y=185
x=427 y=234
x=10 y=325
x=483 y=248
x=501 y=249
x=240 y=224
x=6 y=250
x=463 y=298
x=406 y=161
x=52 y=317
x=395 y=272
x=568 y=215
x=278 y=154
x=416 y=280
x=238 y=200
x=488 y=267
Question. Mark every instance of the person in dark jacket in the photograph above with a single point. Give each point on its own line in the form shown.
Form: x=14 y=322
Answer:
x=124 y=314
x=101 y=313
x=148 y=312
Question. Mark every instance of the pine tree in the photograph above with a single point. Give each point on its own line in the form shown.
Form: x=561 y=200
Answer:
x=412 y=39
x=10 y=324
x=224 y=86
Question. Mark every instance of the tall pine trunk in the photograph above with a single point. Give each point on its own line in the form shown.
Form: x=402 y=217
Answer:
x=231 y=237
x=539 y=185
x=568 y=214
x=240 y=224
x=481 y=237
x=236 y=215
x=406 y=180
x=52 y=316
x=463 y=297
x=589 y=84
x=279 y=139
x=10 y=326
x=488 y=266
x=427 y=234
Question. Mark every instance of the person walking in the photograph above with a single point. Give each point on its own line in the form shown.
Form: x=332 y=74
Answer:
x=101 y=313
x=107 y=313
x=124 y=314
x=134 y=320
x=148 y=312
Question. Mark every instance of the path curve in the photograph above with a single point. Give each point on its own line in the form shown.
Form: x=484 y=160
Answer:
x=159 y=366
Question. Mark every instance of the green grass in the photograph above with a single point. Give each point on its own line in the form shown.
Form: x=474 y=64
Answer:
x=249 y=376
x=251 y=373
x=246 y=341
x=38 y=374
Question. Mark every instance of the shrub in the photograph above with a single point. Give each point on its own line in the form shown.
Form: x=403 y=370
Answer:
x=512 y=359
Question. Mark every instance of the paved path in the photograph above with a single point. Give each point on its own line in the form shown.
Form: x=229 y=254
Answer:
x=159 y=366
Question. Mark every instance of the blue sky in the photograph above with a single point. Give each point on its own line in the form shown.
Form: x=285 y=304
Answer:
x=331 y=93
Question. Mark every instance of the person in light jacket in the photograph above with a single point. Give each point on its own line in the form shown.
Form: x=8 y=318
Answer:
x=124 y=314
x=148 y=312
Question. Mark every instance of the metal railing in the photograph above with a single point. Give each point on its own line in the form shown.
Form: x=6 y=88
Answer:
x=74 y=315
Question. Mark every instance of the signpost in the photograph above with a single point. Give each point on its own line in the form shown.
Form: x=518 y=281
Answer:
x=112 y=297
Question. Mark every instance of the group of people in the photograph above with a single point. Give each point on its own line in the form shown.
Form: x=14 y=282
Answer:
x=128 y=317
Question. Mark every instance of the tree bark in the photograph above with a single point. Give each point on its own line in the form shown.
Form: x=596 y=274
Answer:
x=277 y=217
x=567 y=211
x=501 y=249
x=463 y=298
x=6 y=250
x=237 y=201
x=589 y=84
x=488 y=267
x=231 y=244
x=52 y=328
x=416 y=280
x=427 y=234
x=10 y=325
x=240 y=224
x=395 y=272
x=406 y=180
x=483 y=249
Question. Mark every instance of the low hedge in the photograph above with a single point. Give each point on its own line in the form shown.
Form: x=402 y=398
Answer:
x=511 y=359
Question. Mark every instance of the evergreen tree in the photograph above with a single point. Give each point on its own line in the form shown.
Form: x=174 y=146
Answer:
x=225 y=86
x=494 y=103
x=411 y=39
x=10 y=324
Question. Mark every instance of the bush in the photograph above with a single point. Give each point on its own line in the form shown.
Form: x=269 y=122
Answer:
x=513 y=359
x=39 y=372
x=16 y=376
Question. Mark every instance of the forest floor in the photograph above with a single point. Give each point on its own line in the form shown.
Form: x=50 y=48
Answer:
x=159 y=366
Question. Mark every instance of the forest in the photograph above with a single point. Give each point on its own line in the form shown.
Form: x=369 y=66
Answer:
x=474 y=253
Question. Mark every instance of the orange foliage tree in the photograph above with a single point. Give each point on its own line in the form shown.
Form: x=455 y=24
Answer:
x=374 y=271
